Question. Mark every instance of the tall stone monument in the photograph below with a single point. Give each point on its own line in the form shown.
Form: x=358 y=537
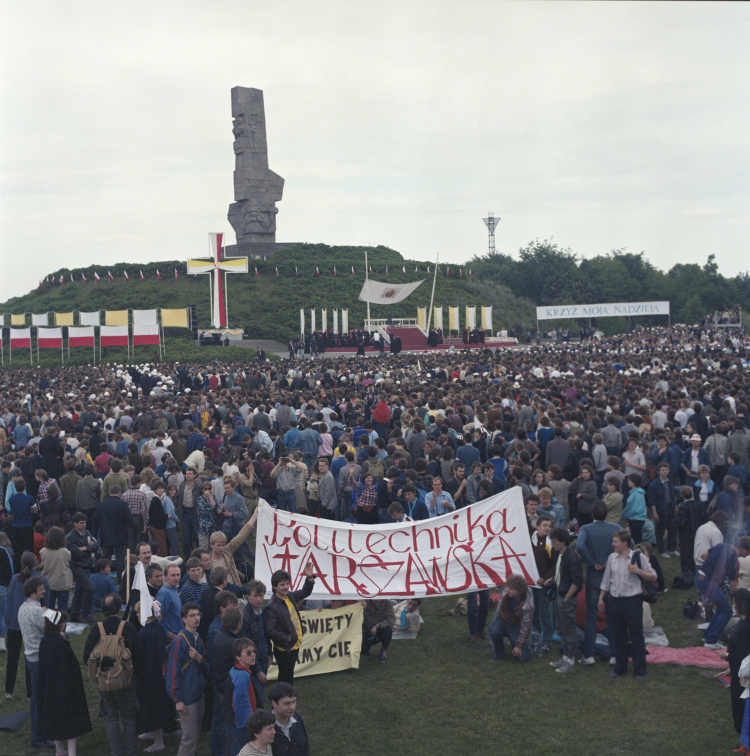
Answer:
x=257 y=189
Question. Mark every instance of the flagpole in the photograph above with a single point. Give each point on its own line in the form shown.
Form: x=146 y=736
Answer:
x=211 y=295
x=367 y=289
x=432 y=297
x=226 y=300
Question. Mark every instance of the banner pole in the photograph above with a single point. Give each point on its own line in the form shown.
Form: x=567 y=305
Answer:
x=432 y=296
x=367 y=285
x=127 y=580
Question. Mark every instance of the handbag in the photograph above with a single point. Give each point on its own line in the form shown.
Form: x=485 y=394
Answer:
x=648 y=587
x=691 y=609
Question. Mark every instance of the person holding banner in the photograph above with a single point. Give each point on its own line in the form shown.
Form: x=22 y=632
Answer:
x=437 y=501
x=283 y=624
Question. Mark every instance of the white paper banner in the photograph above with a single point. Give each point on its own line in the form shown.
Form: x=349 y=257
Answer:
x=324 y=320
x=39 y=320
x=602 y=310
x=487 y=318
x=89 y=318
x=335 y=321
x=439 y=318
x=312 y=321
x=302 y=321
x=471 y=549
x=345 y=321
x=453 y=318
x=144 y=317
x=471 y=317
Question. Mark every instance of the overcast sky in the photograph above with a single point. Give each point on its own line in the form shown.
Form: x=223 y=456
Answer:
x=602 y=125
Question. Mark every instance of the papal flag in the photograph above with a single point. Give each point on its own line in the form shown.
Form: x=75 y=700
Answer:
x=376 y=292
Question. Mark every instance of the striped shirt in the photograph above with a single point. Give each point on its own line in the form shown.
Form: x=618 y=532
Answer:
x=619 y=580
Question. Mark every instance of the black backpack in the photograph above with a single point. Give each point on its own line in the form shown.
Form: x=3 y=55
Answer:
x=684 y=582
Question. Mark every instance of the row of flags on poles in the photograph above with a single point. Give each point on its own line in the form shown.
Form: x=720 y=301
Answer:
x=70 y=278
x=62 y=279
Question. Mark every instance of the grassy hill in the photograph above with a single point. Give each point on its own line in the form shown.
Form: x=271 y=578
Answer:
x=267 y=307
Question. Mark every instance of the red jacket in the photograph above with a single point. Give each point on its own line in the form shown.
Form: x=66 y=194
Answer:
x=382 y=413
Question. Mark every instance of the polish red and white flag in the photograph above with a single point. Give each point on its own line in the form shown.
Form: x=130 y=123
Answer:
x=277 y=271
x=83 y=278
x=96 y=277
x=110 y=277
x=158 y=275
x=352 y=270
x=317 y=271
x=176 y=274
x=125 y=275
x=334 y=271
x=256 y=272
x=141 y=272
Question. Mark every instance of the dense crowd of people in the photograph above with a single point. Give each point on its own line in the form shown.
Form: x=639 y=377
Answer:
x=628 y=450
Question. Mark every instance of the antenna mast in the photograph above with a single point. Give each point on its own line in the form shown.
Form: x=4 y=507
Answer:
x=491 y=222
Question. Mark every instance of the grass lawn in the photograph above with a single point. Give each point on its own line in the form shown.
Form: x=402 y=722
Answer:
x=441 y=695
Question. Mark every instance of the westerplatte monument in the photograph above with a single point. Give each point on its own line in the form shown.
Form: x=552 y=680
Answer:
x=257 y=188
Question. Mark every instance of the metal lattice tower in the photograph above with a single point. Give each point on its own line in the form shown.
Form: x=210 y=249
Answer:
x=491 y=222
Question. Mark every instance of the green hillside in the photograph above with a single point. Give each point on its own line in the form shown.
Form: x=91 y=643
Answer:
x=268 y=307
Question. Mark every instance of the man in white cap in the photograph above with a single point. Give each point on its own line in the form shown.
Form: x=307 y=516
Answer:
x=693 y=458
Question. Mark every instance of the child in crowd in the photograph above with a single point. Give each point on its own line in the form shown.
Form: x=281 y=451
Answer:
x=103 y=583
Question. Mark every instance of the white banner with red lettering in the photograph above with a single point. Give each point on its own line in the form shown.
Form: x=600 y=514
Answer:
x=467 y=550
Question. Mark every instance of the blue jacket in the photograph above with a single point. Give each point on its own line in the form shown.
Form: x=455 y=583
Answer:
x=467 y=455
x=704 y=458
x=635 y=508
x=103 y=586
x=185 y=679
x=308 y=441
x=501 y=467
x=594 y=543
x=663 y=500
x=721 y=564
x=194 y=441
x=556 y=511
x=240 y=431
x=253 y=628
x=16 y=598
x=671 y=456
x=739 y=472
x=290 y=438
x=243 y=694
x=171 y=604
